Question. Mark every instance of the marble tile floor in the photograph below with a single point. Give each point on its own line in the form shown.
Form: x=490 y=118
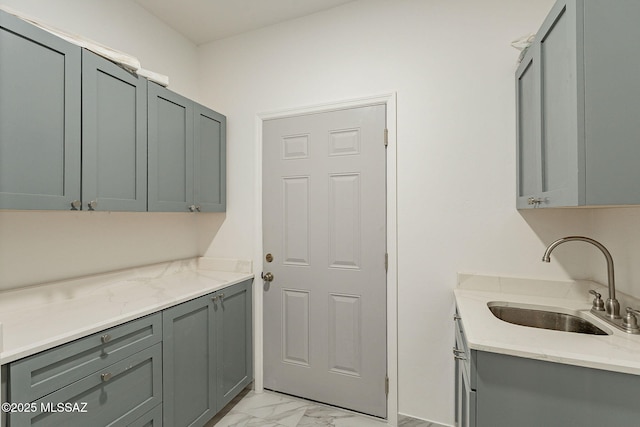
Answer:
x=270 y=409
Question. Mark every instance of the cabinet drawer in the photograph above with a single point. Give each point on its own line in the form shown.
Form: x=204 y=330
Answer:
x=115 y=396
x=153 y=418
x=38 y=375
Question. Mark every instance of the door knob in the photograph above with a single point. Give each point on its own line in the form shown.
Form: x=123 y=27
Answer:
x=267 y=277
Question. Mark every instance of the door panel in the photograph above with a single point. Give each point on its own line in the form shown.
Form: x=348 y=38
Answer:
x=324 y=224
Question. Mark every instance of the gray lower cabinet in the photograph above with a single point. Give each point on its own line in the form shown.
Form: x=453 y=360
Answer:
x=110 y=378
x=498 y=390
x=187 y=154
x=178 y=367
x=207 y=354
x=234 y=338
x=189 y=371
x=577 y=97
x=39 y=135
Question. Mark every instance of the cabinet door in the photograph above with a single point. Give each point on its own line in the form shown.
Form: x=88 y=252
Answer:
x=234 y=341
x=210 y=160
x=39 y=118
x=528 y=174
x=114 y=137
x=189 y=375
x=170 y=164
x=561 y=119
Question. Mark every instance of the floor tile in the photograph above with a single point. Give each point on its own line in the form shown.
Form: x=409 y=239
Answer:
x=270 y=409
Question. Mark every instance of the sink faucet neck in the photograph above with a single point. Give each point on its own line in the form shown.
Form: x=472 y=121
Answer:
x=612 y=305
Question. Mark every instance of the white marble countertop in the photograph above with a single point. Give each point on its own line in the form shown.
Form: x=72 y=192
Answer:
x=618 y=352
x=40 y=317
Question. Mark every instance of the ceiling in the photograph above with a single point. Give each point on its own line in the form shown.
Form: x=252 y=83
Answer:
x=202 y=21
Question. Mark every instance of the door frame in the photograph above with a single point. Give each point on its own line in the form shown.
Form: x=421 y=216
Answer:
x=389 y=100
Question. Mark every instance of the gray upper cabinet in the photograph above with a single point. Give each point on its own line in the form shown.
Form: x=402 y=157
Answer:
x=114 y=137
x=187 y=154
x=79 y=132
x=170 y=151
x=210 y=149
x=577 y=96
x=39 y=118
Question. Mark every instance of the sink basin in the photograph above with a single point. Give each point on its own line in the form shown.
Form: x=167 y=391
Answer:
x=553 y=318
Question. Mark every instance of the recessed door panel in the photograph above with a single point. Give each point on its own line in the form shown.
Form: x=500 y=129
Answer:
x=295 y=327
x=345 y=334
x=344 y=221
x=296 y=220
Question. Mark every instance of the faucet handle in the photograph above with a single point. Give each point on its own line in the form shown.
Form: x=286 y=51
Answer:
x=598 y=304
x=633 y=311
x=630 y=321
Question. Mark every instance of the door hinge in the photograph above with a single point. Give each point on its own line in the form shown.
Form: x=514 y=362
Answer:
x=386 y=385
x=386 y=137
x=386 y=262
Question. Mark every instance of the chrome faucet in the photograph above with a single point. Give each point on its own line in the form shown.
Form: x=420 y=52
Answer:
x=612 y=305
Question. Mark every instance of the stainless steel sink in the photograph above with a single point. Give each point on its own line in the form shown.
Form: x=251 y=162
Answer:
x=556 y=319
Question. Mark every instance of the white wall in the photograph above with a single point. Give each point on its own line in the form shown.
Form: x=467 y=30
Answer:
x=452 y=67
x=44 y=246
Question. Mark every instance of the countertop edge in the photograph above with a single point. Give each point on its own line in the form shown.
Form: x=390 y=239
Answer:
x=10 y=355
x=618 y=352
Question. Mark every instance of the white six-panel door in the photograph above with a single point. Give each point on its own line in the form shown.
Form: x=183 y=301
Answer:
x=324 y=218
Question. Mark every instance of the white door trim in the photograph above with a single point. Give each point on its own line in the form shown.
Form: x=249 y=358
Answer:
x=389 y=100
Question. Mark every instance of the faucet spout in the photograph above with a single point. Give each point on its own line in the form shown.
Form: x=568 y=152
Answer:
x=612 y=305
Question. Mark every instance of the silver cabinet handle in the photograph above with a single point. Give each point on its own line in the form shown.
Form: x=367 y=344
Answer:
x=76 y=205
x=456 y=354
x=535 y=201
x=105 y=338
x=192 y=208
x=92 y=205
x=217 y=298
x=198 y=208
x=214 y=298
x=105 y=377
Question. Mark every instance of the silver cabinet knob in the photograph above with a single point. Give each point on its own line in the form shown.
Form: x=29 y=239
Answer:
x=105 y=338
x=76 y=205
x=267 y=277
x=192 y=208
x=106 y=376
x=198 y=208
x=535 y=201
x=92 y=205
